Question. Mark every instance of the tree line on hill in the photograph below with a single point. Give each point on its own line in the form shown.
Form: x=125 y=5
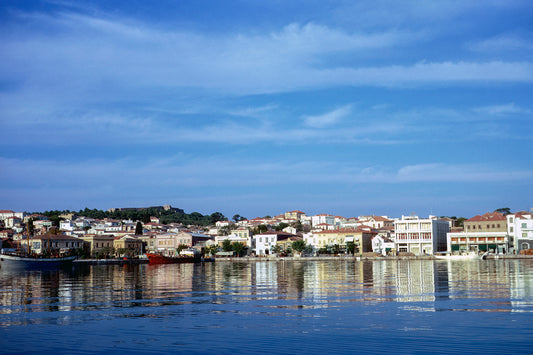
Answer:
x=165 y=216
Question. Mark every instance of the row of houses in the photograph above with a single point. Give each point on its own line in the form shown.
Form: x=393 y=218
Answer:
x=493 y=232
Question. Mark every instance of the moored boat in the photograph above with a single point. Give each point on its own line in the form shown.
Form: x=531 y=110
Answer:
x=471 y=256
x=33 y=262
x=154 y=258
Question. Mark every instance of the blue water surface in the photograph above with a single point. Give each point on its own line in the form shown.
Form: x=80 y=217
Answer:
x=330 y=306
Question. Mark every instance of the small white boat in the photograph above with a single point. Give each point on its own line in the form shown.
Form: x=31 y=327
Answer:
x=470 y=256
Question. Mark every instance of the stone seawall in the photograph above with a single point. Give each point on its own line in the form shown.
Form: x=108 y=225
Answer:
x=110 y=261
x=248 y=259
x=358 y=258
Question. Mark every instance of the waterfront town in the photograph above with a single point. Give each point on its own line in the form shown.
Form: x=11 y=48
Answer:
x=293 y=233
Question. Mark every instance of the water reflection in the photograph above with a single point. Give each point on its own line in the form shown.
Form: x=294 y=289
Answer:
x=500 y=285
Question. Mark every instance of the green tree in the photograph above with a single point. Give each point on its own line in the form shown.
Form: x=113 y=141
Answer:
x=30 y=227
x=350 y=247
x=298 y=246
x=56 y=220
x=217 y=216
x=226 y=245
x=298 y=225
x=275 y=249
x=238 y=248
x=146 y=218
x=260 y=229
x=212 y=249
x=504 y=210
x=139 y=228
x=459 y=222
x=281 y=226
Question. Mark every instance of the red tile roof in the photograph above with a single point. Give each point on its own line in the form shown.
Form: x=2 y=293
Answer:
x=489 y=216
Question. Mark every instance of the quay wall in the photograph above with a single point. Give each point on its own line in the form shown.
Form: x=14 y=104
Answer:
x=248 y=259
x=357 y=258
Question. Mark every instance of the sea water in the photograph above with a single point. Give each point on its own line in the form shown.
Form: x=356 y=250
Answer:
x=330 y=306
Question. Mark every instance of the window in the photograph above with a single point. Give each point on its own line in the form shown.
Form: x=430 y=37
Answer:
x=511 y=229
x=524 y=225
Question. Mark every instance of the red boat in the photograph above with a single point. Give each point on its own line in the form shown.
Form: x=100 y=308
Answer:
x=162 y=259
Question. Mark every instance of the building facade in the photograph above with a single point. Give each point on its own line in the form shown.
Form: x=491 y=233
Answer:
x=52 y=244
x=264 y=242
x=421 y=236
x=488 y=222
x=482 y=233
x=331 y=239
x=322 y=219
x=98 y=243
x=520 y=230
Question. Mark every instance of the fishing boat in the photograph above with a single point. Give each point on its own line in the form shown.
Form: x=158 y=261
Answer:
x=26 y=261
x=154 y=258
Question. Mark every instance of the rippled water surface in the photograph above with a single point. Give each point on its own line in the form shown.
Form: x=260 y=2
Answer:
x=330 y=306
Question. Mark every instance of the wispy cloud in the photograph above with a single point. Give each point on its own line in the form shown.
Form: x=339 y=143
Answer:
x=328 y=118
x=109 y=56
x=503 y=43
x=183 y=171
x=384 y=126
x=502 y=110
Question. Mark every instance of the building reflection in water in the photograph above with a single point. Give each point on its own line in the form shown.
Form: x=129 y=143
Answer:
x=312 y=284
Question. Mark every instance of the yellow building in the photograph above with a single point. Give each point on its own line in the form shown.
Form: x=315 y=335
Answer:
x=294 y=215
x=98 y=242
x=361 y=237
x=130 y=245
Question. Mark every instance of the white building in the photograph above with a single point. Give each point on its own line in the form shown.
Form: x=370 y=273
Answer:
x=420 y=236
x=6 y=213
x=264 y=242
x=376 y=222
x=13 y=221
x=382 y=245
x=520 y=230
x=66 y=225
x=322 y=219
x=311 y=239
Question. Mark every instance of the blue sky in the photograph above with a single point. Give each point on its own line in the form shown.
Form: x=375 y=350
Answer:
x=261 y=107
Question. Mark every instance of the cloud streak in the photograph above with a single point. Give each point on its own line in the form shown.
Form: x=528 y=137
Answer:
x=328 y=118
x=88 y=55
